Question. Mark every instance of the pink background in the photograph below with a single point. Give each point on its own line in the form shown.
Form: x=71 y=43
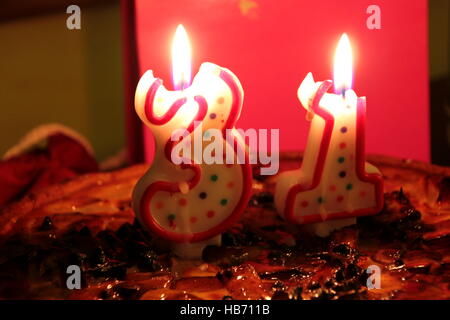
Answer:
x=271 y=47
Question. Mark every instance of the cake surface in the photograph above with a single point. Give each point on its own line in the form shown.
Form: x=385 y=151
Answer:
x=88 y=221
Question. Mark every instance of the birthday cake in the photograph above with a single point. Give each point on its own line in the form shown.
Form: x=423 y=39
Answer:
x=87 y=221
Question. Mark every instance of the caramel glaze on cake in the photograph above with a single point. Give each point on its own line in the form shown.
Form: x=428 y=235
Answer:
x=88 y=221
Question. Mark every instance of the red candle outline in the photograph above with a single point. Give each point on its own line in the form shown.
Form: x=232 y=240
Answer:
x=145 y=212
x=361 y=173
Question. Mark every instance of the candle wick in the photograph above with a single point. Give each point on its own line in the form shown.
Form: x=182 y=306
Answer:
x=341 y=90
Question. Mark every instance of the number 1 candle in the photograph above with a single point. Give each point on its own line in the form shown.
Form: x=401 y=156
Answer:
x=334 y=181
x=190 y=204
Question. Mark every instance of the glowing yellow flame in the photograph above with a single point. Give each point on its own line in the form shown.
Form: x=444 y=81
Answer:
x=181 y=59
x=343 y=73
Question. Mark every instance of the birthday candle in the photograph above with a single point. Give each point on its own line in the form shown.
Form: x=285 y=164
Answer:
x=191 y=203
x=334 y=181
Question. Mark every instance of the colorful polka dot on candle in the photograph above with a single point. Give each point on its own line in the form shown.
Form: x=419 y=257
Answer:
x=349 y=186
x=193 y=219
x=320 y=200
x=202 y=195
x=214 y=177
x=171 y=217
x=182 y=202
x=342 y=145
x=220 y=100
x=342 y=174
x=305 y=204
x=210 y=214
x=339 y=198
x=223 y=202
x=344 y=129
x=213 y=115
x=230 y=184
x=341 y=159
x=332 y=187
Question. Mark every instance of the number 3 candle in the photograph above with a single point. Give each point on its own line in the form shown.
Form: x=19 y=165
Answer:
x=192 y=203
x=334 y=181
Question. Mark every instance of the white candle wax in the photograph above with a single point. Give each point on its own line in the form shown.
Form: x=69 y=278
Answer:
x=196 y=202
x=329 y=184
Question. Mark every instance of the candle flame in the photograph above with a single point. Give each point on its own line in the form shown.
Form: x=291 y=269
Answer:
x=181 y=59
x=343 y=72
